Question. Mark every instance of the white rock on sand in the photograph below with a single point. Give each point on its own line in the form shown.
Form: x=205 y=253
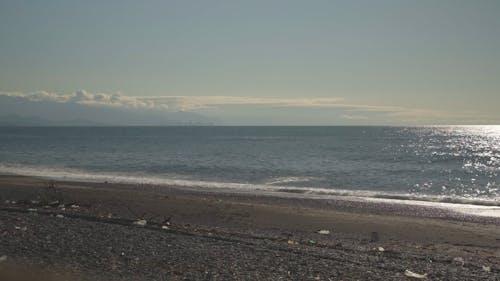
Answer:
x=141 y=222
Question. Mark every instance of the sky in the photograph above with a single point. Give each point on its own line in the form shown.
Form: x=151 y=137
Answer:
x=257 y=62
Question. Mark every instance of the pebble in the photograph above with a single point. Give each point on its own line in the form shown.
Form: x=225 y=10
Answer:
x=411 y=274
x=458 y=261
x=24 y=228
x=54 y=203
x=141 y=222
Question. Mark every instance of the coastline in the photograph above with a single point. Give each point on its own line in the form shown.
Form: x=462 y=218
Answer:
x=458 y=206
x=418 y=238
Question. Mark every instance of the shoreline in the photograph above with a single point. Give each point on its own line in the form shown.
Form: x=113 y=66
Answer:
x=427 y=206
x=233 y=219
x=468 y=207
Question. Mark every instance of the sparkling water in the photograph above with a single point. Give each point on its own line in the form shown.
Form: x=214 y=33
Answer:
x=442 y=163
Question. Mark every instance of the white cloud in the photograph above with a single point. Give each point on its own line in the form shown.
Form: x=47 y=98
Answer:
x=200 y=103
x=84 y=97
x=352 y=117
x=171 y=102
x=37 y=96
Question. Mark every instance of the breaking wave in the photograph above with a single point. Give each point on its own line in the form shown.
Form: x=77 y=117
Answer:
x=471 y=206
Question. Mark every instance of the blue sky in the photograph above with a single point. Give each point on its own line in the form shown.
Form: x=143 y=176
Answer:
x=261 y=62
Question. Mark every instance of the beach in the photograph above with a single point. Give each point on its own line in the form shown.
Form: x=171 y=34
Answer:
x=249 y=140
x=110 y=231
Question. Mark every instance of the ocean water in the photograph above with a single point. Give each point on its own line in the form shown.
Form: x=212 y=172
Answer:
x=452 y=163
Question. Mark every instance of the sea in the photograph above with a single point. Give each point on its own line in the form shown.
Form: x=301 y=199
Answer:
x=450 y=164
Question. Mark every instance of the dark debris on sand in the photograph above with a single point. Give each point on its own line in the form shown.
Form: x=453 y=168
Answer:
x=104 y=250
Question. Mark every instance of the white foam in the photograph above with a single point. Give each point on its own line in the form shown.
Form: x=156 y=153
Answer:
x=466 y=209
x=476 y=207
x=284 y=180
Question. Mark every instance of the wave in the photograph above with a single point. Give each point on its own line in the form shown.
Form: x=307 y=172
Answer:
x=472 y=206
x=285 y=180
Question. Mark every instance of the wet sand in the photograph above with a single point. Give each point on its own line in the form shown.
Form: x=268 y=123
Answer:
x=201 y=234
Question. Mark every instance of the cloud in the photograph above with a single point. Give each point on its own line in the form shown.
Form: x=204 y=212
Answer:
x=348 y=111
x=38 y=96
x=352 y=117
x=200 y=102
x=83 y=97
x=192 y=102
x=186 y=103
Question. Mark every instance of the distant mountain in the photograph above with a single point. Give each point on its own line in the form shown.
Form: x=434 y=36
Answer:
x=16 y=120
x=21 y=112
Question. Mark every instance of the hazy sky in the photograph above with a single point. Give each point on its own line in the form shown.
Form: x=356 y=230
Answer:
x=262 y=62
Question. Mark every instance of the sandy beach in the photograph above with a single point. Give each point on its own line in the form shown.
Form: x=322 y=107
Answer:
x=106 y=231
x=249 y=140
